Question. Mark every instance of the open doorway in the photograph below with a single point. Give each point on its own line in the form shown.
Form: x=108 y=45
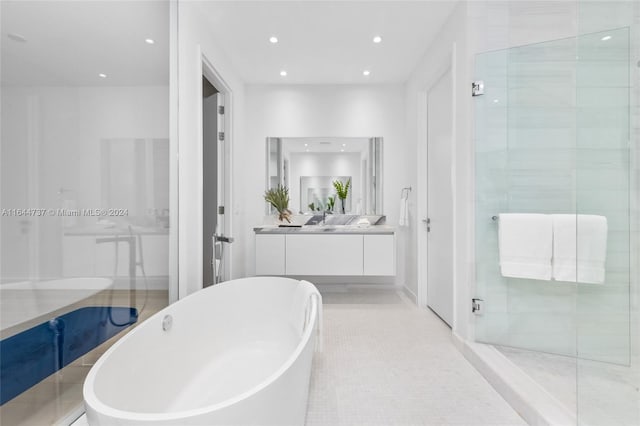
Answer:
x=215 y=230
x=210 y=99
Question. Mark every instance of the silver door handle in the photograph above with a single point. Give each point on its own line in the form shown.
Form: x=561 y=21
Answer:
x=428 y=222
x=222 y=239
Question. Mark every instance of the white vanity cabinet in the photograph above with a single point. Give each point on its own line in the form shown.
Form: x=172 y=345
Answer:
x=270 y=254
x=324 y=254
x=379 y=255
x=330 y=254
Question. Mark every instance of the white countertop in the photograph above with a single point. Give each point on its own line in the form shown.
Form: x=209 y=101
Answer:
x=325 y=229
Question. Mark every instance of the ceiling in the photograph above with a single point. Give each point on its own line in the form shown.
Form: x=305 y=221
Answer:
x=325 y=42
x=69 y=43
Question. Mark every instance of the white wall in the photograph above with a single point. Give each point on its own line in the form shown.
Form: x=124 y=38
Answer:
x=336 y=111
x=435 y=61
x=195 y=41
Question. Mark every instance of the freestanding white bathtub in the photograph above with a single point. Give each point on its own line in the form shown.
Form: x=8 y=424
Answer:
x=237 y=353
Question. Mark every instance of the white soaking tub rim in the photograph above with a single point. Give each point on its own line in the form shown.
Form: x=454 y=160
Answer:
x=96 y=403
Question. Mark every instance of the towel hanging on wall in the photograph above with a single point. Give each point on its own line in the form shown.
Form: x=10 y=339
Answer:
x=404 y=207
x=525 y=244
x=579 y=248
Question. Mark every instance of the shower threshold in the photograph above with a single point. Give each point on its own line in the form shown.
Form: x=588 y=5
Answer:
x=530 y=399
x=599 y=392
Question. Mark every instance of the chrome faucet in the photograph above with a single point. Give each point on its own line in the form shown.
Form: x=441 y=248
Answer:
x=325 y=212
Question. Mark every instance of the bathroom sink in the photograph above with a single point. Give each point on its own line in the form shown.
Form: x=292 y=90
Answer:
x=317 y=228
x=328 y=228
x=314 y=229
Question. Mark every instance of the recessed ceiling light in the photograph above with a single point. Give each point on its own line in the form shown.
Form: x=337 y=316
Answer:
x=377 y=39
x=495 y=101
x=366 y=72
x=283 y=73
x=273 y=39
x=102 y=75
x=344 y=144
x=605 y=38
x=306 y=144
x=342 y=150
x=149 y=41
x=17 y=37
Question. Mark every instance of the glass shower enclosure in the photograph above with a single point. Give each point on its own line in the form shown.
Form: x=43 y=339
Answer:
x=553 y=138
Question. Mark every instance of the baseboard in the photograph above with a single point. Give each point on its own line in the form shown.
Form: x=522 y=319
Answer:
x=530 y=400
x=410 y=294
x=458 y=341
x=382 y=281
x=351 y=286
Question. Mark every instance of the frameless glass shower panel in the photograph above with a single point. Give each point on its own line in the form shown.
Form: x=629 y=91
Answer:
x=491 y=158
x=84 y=200
x=607 y=370
x=553 y=137
x=602 y=189
x=525 y=163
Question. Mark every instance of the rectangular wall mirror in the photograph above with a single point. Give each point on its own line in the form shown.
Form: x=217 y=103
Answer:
x=309 y=166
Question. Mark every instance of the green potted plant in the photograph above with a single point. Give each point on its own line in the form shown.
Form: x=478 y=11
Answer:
x=342 y=191
x=331 y=202
x=279 y=198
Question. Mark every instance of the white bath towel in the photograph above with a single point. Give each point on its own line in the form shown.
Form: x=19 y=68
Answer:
x=404 y=212
x=525 y=242
x=579 y=248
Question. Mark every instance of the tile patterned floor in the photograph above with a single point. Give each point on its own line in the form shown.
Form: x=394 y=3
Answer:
x=386 y=362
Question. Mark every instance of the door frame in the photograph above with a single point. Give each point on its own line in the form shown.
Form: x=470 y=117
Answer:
x=209 y=71
x=446 y=64
x=190 y=176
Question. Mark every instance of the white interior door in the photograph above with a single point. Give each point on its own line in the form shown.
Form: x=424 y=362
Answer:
x=440 y=198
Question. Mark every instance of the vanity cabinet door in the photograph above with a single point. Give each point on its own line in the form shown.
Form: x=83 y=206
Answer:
x=270 y=254
x=379 y=255
x=324 y=255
